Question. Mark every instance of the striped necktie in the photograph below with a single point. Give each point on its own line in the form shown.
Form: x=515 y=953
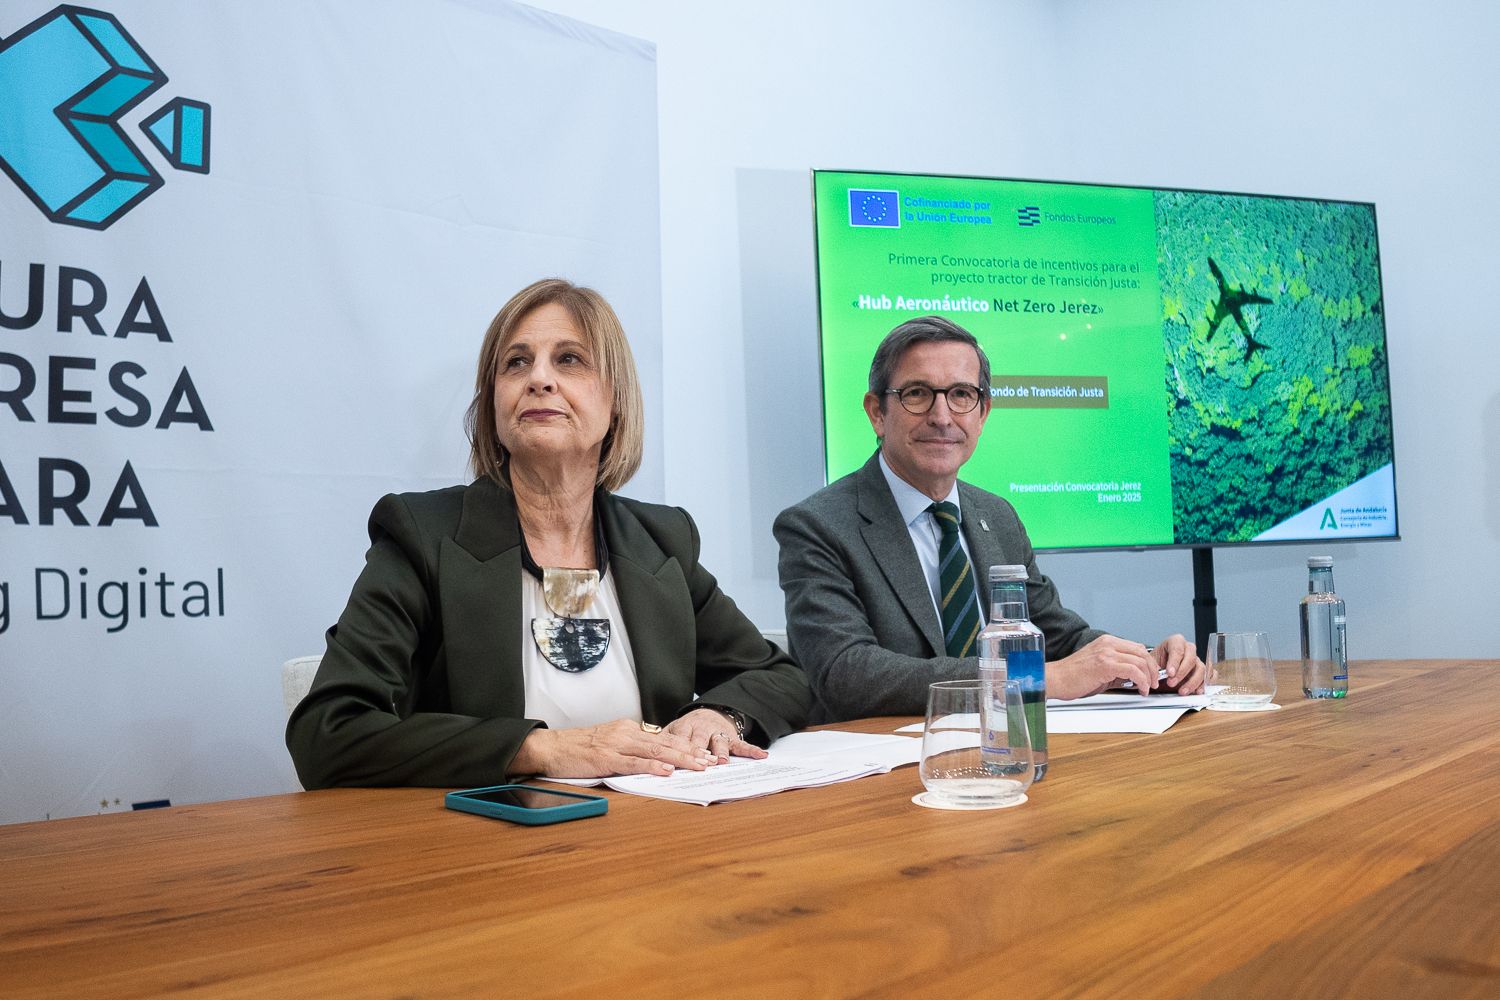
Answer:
x=956 y=581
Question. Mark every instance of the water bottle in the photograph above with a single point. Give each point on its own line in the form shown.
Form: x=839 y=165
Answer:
x=1011 y=647
x=1325 y=659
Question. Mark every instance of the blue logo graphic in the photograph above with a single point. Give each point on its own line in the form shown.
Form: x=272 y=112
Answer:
x=879 y=209
x=1029 y=216
x=66 y=79
x=180 y=131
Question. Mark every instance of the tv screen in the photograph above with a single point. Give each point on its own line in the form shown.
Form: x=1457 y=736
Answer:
x=1169 y=367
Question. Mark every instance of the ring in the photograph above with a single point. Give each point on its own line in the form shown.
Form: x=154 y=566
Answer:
x=647 y=727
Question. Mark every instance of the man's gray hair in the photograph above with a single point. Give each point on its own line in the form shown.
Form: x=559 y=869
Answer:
x=922 y=330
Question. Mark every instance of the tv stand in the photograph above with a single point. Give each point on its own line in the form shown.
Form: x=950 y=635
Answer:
x=1205 y=604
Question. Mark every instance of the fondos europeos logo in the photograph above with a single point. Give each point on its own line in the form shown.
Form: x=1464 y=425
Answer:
x=66 y=80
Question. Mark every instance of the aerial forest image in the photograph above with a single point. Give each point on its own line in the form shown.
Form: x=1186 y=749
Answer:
x=1276 y=371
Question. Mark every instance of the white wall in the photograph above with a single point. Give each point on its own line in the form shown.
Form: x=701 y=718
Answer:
x=1385 y=102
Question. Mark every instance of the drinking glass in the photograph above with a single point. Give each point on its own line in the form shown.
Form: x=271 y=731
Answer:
x=976 y=750
x=1239 y=667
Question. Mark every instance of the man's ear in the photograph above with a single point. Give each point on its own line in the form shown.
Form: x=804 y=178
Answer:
x=874 y=409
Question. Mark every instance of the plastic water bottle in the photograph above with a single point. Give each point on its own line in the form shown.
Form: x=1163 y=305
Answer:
x=1325 y=659
x=1010 y=647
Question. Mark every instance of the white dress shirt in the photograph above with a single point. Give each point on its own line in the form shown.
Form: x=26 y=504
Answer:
x=566 y=700
x=927 y=534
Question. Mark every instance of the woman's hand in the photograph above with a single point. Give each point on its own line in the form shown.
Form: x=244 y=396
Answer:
x=714 y=732
x=618 y=747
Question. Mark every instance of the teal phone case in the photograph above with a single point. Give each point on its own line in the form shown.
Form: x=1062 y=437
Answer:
x=581 y=807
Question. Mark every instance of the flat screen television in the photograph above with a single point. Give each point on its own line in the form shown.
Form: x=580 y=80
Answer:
x=1169 y=367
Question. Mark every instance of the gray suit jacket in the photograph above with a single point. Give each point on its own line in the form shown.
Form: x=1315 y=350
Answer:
x=859 y=616
x=422 y=681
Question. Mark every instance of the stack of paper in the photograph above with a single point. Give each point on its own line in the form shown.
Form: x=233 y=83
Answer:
x=1113 y=713
x=1121 y=713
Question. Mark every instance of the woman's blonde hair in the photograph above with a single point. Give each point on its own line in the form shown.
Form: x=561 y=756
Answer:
x=620 y=456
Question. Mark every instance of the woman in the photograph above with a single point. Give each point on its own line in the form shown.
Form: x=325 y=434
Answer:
x=534 y=623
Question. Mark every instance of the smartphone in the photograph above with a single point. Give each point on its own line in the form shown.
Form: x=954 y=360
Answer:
x=526 y=804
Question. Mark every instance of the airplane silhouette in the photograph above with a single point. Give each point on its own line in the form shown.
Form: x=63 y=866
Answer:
x=1230 y=303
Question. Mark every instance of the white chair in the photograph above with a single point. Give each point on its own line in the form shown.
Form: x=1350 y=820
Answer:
x=296 y=677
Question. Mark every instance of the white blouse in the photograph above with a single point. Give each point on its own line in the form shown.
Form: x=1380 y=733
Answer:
x=566 y=700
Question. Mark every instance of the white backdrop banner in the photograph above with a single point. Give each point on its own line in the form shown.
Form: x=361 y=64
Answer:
x=247 y=254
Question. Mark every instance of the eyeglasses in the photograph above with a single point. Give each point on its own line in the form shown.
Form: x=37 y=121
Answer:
x=918 y=398
x=569 y=643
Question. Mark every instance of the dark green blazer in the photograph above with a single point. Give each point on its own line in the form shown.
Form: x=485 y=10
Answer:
x=421 y=683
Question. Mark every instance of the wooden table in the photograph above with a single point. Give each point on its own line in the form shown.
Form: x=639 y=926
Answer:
x=1329 y=849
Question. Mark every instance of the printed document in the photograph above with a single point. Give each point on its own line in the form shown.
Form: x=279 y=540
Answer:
x=801 y=760
x=1113 y=712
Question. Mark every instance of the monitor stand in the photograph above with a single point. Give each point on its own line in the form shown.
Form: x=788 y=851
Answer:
x=1205 y=604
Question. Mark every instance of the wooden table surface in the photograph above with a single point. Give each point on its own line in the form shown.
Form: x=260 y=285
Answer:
x=1330 y=849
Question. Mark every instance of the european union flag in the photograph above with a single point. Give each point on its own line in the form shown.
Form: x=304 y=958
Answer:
x=880 y=209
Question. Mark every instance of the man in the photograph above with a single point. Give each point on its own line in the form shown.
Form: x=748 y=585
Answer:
x=881 y=601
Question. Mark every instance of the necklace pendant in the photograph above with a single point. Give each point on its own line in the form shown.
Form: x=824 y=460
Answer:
x=569 y=591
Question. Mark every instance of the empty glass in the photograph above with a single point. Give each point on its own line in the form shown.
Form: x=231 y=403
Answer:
x=1240 y=674
x=976 y=751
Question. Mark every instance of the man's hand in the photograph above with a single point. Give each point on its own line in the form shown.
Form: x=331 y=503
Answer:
x=1179 y=658
x=1102 y=664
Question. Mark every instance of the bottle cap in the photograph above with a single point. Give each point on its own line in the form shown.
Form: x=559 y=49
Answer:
x=1320 y=562
x=1007 y=573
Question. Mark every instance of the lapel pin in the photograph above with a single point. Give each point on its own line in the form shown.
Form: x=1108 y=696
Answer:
x=984 y=524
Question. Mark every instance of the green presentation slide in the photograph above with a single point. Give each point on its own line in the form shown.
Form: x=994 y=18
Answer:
x=1152 y=352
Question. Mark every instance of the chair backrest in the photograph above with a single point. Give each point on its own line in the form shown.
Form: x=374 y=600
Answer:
x=296 y=677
